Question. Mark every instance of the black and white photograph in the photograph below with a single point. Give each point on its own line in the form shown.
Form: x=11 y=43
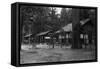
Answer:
x=53 y=34
x=56 y=34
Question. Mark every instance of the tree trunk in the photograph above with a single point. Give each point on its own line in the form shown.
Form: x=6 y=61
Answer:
x=75 y=28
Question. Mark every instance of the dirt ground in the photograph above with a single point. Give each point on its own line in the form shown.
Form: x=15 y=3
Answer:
x=37 y=55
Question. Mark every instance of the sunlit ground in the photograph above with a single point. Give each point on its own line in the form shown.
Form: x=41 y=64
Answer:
x=38 y=55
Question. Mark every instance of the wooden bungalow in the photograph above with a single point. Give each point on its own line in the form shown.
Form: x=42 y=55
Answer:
x=64 y=34
x=61 y=36
x=87 y=32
